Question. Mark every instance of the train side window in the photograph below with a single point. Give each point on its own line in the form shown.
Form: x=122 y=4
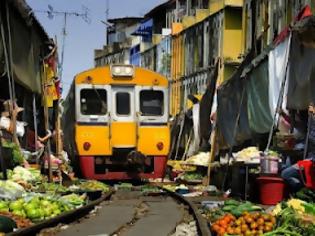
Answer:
x=123 y=103
x=151 y=103
x=93 y=101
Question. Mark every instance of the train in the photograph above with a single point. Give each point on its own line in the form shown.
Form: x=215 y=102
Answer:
x=116 y=123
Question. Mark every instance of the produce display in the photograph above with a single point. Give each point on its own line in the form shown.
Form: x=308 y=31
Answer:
x=37 y=207
x=10 y=190
x=51 y=187
x=247 y=154
x=150 y=189
x=170 y=187
x=192 y=176
x=237 y=208
x=253 y=224
x=25 y=199
x=25 y=175
x=17 y=155
x=93 y=185
x=201 y=159
x=180 y=166
x=306 y=195
x=295 y=218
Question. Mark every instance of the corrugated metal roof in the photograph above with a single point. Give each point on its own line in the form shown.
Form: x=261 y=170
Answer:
x=125 y=20
x=27 y=14
x=159 y=7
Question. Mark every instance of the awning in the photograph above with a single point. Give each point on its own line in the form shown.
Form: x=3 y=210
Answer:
x=232 y=102
x=259 y=115
x=301 y=75
x=28 y=40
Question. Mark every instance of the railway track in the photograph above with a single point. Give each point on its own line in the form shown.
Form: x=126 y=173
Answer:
x=133 y=213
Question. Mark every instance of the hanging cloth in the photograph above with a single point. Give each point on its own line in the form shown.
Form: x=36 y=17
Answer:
x=194 y=147
x=277 y=64
x=259 y=116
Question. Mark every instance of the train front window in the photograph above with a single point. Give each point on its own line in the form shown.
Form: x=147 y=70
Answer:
x=123 y=103
x=151 y=103
x=93 y=101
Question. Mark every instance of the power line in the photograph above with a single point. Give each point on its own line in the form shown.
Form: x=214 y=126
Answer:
x=51 y=13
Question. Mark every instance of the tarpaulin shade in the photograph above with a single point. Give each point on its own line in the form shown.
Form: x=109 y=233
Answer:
x=230 y=103
x=26 y=60
x=27 y=39
x=301 y=75
x=259 y=115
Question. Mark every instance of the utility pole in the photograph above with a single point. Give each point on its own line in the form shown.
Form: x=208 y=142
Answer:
x=51 y=13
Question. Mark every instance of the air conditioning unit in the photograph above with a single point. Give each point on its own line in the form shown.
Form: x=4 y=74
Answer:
x=166 y=31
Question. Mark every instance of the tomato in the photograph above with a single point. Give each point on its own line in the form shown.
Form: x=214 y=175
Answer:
x=221 y=231
x=267 y=228
x=223 y=223
x=260 y=221
x=253 y=225
x=273 y=220
x=238 y=222
x=237 y=231
x=249 y=220
x=215 y=227
x=244 y=228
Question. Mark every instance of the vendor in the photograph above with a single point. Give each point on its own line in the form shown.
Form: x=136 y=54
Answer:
x=292 y=175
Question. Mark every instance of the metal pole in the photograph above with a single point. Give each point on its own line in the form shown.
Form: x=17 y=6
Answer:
x=3 y=164
x=280 y=100
x=47 y=149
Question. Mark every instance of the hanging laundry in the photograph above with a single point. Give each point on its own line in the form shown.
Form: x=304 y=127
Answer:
x=51 y=91
x=277 y=67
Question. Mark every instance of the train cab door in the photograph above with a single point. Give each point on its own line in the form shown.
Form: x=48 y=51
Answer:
x=123 y=123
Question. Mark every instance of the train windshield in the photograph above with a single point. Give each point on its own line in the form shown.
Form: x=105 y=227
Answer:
x=93 y=101
x=123 y=103
x=151 y=103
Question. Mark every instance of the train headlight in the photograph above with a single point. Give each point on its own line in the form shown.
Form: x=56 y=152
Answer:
x=86 y=146
x=122 y=70
x=160 y=146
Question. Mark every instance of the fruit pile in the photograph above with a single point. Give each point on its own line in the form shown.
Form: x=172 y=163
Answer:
x=248 y=224
x=40 y=207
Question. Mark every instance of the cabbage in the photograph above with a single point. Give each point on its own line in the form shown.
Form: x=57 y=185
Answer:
x=22 y=174
x=10 y=190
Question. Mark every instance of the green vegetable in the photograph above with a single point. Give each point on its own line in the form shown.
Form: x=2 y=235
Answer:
x=231 y=202
x=34 y=214
x=237 y=208
x=228 y=208
x=309 y=208
x=16 y=205
x=18 y=157
x=306 y=194
x=7 y=224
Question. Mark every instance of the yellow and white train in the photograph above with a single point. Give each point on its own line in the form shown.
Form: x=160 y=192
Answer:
x=115 y=123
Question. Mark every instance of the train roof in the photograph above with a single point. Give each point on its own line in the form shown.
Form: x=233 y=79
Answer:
x=103 y=75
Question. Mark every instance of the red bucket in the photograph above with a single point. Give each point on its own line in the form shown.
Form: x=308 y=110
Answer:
x=271 y=190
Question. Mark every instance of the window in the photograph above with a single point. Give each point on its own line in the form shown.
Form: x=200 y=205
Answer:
x=122 y=103
x=151 y=103
x=93 y=101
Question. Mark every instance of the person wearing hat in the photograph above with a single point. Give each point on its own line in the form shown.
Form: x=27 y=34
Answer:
x=8 y=120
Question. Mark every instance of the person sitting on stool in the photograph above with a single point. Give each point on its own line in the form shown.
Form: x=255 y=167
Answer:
x=292 y=175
